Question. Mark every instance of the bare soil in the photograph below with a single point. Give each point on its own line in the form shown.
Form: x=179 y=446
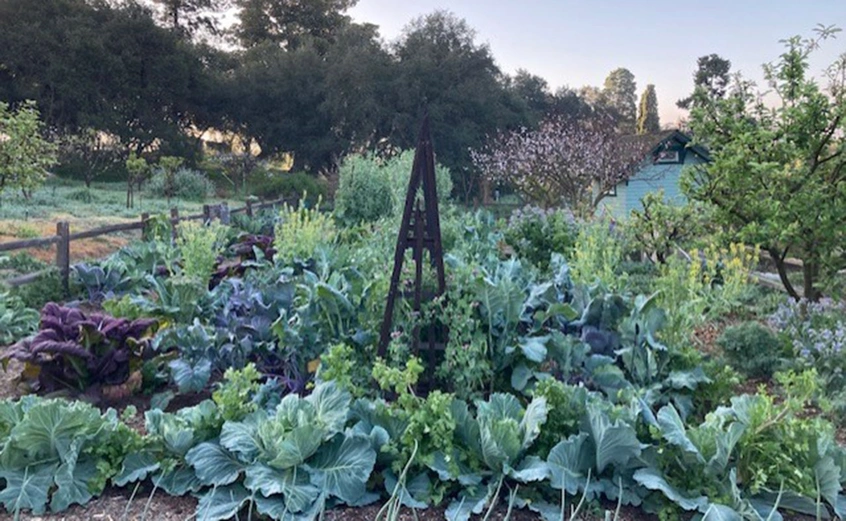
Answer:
x=115 y=505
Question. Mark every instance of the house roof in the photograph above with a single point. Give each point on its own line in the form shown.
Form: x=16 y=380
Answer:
x=661 y=139
x=657 y=141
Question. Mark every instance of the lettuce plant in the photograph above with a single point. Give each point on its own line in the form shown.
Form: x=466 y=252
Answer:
x=75 y=350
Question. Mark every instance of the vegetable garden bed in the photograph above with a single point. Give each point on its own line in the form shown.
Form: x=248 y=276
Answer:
x=248 y=360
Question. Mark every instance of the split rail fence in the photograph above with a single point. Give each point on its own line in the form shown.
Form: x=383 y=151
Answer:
x=64 y=237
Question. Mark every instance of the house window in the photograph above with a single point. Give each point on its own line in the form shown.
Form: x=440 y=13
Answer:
x=667 y=156
x=611 y=192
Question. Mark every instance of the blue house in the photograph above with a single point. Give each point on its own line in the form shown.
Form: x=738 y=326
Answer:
x=661 y=169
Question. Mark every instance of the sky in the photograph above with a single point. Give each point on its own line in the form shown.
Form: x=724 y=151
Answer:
x=576 y=43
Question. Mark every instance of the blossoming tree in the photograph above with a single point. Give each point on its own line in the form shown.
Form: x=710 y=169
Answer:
x=569 y=162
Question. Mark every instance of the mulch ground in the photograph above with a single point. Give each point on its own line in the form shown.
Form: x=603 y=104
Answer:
x=115 y=505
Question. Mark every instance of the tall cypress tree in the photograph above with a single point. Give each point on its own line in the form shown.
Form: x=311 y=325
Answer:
x=647 y=118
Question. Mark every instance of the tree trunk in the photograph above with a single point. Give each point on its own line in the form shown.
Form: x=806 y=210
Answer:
x=778 y=259
x=129 y=201
x=810 y=274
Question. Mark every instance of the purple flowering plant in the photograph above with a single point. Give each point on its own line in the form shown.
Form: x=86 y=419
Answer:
x=816 y=332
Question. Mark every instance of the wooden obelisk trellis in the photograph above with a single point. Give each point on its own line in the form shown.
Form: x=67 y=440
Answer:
x=420 y=231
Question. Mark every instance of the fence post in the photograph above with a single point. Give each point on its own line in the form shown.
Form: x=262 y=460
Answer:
x=144 y=225
x=249 y=207
x=63 y=254
x=174 y=220
x=207 y=214
x=225 y=216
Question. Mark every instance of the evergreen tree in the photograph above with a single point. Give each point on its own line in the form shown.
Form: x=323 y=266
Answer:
x=290 y=23
x=187 y=17
x=712 y=74
x=620 y=94
x=647 y=118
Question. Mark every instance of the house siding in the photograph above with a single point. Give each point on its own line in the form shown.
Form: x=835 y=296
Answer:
x=650 y=178
x=615 y=205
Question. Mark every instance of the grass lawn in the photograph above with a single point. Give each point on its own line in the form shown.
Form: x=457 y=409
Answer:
x=83 y=209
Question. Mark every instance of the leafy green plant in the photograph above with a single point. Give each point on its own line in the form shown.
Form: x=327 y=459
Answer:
x=58 y=453
x=233 y=396
x=101 y=282
x=491 y=449
x=200 y=246
x=598 y=255
x=567 y=405
x=295 y=461
x=162 y=455
x=752 y=348
x=466 y=365
x=535 y=234
x=178 y=298
x=16 y=320
x=414 y=424
x=198 y=355
x=301 y=231
x=344 y=365
x=744 y=459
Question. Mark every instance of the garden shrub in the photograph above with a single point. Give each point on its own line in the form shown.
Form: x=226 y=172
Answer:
x=752 y=348
x=186 y=184
x=273 y=184
x=47 y=287
x=660 y=226
x=371 y=188
x=598 y=254
x=535 y=234
x=301 y=231
x=364 y=190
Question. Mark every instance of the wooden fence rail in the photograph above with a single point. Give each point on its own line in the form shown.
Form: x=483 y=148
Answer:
x=64 y=237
